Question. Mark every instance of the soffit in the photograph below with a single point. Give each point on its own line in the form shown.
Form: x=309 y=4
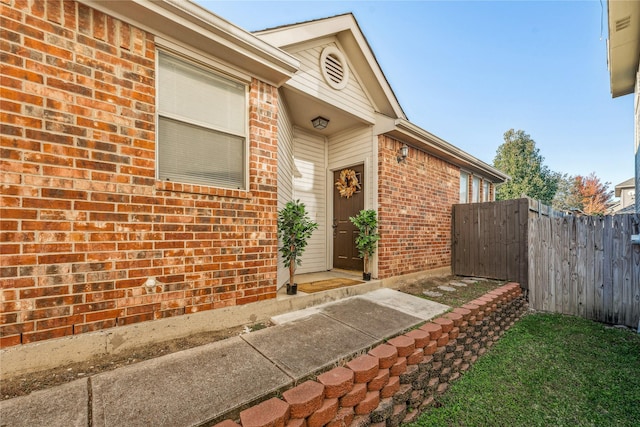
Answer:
x=196 y=27
x=623 y=45
x=303 y=108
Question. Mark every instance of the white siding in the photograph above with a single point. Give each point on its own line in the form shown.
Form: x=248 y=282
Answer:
x=285 y=172
x=309 y=79
x=310 y=188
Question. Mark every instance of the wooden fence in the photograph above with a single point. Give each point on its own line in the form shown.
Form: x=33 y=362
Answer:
x=585 y=266
x=491 y=239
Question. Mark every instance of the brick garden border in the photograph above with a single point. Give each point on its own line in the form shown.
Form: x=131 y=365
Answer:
x=394 y=381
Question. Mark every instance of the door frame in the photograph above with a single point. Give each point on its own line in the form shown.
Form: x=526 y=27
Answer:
x=366 y=163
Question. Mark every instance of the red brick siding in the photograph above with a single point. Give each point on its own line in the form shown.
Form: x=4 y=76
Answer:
x=414 y=210
x=84 y=223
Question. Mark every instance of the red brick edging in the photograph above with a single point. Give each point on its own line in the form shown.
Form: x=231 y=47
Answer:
x=378 y=388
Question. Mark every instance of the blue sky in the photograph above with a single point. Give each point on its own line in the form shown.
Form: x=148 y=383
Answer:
x=468 y=71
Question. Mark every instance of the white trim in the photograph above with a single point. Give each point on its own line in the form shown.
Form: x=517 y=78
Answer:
x=196 y=26
x=201 y=58
x=247 y=131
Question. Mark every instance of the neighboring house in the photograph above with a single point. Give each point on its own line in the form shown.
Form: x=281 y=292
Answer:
x=626 y=191
x=147 y=146
x=624 y=64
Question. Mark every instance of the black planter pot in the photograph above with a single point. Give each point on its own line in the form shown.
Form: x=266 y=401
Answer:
x=366 y=276
x=292 y=289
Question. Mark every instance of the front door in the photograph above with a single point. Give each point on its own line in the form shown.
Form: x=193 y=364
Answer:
x=349 y=203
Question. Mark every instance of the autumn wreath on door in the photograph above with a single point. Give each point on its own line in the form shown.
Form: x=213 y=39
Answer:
x=348 y=183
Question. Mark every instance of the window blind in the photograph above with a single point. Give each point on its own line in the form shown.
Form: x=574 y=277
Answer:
x=201 y=126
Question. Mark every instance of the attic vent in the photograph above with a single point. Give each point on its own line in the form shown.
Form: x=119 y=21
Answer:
x=334 y=68
x=623 y=23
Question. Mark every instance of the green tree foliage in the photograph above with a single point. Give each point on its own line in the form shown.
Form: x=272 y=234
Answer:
x=294 y=230
x=566 y=197
x=367 y=223
x=519 y=158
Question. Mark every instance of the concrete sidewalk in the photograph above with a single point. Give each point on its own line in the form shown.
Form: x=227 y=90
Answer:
x=214 y=382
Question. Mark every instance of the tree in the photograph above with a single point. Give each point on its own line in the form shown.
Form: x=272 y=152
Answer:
x=585 y=194
x=566 y=197
x=519 y=158
x=594 y=195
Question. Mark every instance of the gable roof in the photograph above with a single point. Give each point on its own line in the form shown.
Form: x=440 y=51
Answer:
x=347 y=31
x=395 y=123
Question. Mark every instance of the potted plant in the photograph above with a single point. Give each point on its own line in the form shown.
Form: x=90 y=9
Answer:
x=367 y=224
x=294 y=230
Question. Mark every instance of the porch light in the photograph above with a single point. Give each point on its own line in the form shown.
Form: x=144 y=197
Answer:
x=402 y=153
x=320 y=122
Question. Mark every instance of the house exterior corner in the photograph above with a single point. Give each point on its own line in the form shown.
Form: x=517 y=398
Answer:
x=92 y=237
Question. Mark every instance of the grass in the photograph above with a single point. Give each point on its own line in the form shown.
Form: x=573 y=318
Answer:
x=462 y=294
x=548 y=370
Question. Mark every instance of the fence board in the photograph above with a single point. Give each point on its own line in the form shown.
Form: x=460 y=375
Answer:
x=616 y=269
x=607 y=273
x=581 y=264
x=625 y=259
x=589 y=268
x=598 y=264
x=490 y=239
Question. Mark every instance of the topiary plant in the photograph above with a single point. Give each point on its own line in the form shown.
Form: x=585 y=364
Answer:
x=367 y=223
x=294 y=230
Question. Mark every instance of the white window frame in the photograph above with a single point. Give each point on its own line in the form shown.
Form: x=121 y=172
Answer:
x=219 y=71
x=486 y=191
x=464 y=187
x=475 y=189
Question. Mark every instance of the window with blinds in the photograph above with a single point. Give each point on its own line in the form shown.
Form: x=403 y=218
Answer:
x=201 y=126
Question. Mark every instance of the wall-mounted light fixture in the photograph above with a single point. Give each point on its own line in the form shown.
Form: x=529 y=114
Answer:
x=320 y=122
x=402 y=154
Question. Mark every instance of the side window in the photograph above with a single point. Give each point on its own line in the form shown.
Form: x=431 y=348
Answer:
x=202 y=126
x=464 y=187
x=475 y=190
x=485 y=192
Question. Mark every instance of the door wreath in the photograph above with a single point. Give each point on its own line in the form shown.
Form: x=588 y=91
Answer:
x=348 y=183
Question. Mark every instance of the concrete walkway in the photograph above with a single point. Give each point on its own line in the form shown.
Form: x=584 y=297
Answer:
x=216 y=381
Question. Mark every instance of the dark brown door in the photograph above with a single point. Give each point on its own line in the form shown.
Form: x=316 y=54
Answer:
x=345 y=254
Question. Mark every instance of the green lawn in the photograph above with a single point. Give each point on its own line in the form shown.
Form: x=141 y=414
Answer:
x=548 y=370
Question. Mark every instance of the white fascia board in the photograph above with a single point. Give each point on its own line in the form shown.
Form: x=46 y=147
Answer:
x=623 y=45
x=195 y=26
x=420 y=138
x=288 y=35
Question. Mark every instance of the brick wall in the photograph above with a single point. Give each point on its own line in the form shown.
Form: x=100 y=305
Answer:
x=414 y=210
x=395 y=381
x=84 y=222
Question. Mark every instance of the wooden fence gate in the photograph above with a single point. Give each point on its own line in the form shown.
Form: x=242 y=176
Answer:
x=586 y=266
x=491 y=239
